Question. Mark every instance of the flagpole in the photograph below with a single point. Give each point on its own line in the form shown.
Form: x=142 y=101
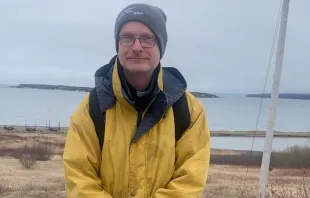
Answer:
x=263 y=180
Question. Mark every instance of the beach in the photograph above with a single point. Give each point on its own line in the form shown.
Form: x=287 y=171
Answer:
x=215 y=133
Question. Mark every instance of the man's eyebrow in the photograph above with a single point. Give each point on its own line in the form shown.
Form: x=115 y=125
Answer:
x=126 y=33
x=132 y=34
x=147 y=34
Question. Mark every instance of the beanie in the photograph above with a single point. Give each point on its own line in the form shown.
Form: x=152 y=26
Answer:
x=153 y=17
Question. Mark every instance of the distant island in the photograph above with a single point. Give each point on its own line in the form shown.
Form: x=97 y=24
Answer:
x=204 y=95
x=282 y=96
x=53 y=87
x=88 y=89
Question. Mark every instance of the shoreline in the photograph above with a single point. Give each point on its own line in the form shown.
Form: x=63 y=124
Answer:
x=88 y=89
x=259 y=134
x=214 y=133
x=293 y=96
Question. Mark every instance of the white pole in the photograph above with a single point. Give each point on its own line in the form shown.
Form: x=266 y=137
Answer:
x=263 y=180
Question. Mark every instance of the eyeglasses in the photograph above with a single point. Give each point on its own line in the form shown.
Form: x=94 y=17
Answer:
x=145 y=41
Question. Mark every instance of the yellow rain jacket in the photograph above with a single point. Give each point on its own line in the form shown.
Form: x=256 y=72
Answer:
x=142 y=161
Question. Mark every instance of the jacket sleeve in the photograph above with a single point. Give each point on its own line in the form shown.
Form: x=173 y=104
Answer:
x=81 y=157
x=192 y=158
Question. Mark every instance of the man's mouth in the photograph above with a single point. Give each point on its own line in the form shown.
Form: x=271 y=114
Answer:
x=137 y=58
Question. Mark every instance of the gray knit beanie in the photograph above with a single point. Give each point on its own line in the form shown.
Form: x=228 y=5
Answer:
x=151 y=16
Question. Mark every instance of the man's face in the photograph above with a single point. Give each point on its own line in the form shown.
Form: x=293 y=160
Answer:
x=138 y=55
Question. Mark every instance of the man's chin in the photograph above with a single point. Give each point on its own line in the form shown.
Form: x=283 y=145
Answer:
x=138 y=68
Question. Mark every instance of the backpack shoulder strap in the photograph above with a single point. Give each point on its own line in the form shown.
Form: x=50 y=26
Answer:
x=181 y=116
x=180 y=111
x=97 y=117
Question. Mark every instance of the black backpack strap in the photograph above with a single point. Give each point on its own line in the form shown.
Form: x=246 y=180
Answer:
x=97 y=117
x=181 y=116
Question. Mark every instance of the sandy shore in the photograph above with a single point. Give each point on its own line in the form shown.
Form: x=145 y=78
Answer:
x=213 y=132
x=45 y=179
x=259 y=134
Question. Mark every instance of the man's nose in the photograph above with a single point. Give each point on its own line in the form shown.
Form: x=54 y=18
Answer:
x=137 y=47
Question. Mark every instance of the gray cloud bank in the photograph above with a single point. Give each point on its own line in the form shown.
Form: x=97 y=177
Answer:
x=219 y=45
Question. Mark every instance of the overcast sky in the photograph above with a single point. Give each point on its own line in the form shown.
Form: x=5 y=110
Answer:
x=219 y=45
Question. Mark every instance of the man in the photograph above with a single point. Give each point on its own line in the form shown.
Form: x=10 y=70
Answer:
x=140 y=156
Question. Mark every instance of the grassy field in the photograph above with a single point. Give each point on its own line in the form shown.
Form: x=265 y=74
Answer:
x=43 y=177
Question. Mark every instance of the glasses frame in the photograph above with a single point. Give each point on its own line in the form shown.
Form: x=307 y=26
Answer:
x=135 y=38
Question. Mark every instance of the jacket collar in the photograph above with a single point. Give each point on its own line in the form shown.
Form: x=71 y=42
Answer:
x=171 y=86
x=119 y=91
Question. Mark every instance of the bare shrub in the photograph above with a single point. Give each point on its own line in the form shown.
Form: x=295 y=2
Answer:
x=249 y=159
x=38 y=151
x=27 y=161
x=295 y=157
x=4 y=151
x=42 y=151
x=29 y=155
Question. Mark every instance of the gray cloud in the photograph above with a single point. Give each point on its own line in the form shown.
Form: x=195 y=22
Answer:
x=219 y=45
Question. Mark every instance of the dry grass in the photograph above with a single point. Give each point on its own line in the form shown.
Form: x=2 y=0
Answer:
x=31 y=165
x=230 y=181
x=45 y=178
x=11 y=143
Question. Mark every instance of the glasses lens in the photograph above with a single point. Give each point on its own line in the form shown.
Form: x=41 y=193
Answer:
x=126 y=40
x=148 y=41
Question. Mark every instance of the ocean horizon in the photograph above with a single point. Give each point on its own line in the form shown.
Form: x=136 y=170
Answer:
x=233 y=112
